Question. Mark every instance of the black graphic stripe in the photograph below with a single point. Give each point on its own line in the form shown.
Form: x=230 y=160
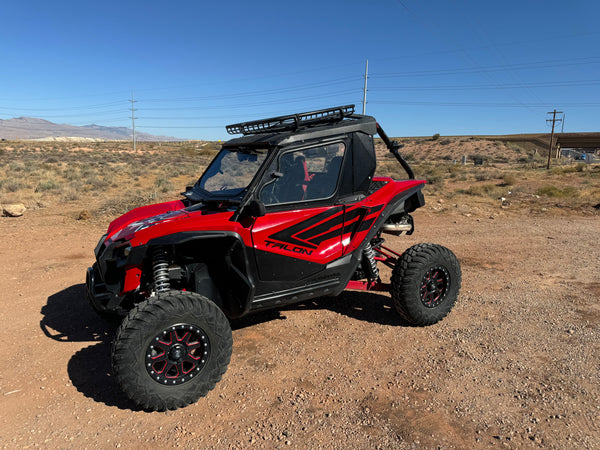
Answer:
x=307 y=229
x=313 y=232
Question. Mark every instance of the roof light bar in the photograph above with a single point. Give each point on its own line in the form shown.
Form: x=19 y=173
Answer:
x=292 y=121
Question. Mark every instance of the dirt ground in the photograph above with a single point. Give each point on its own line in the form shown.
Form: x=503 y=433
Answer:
x=515 y=364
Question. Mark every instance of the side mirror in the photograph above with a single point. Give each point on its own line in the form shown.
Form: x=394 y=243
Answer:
x=254 y=208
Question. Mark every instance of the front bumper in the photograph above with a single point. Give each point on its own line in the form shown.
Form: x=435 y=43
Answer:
x=99 y=296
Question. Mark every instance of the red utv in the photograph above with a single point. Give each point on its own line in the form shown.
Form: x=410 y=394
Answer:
x=287 y=212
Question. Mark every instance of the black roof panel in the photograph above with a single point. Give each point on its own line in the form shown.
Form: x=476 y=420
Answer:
x=302 y=126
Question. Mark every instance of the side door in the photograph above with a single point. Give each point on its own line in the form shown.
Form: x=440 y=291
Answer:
x=302 y=230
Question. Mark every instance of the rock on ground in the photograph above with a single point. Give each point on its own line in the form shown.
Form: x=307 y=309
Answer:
x=15 y=210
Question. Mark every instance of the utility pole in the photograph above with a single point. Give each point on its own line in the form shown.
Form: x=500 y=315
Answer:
x=553 y=120
x=133 y=110
x=365 y=88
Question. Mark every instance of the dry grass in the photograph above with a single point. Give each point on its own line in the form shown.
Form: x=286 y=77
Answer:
x=109 y=179
x=49 y=173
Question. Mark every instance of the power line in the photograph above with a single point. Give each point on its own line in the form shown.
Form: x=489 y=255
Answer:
x=67 y=108
x=334 y=82
x=264 y=103
x=548 y=84
x=533 y=65
x=186 y=128
x=483 y=105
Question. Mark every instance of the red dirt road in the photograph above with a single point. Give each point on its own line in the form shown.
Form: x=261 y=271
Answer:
x=517 y=362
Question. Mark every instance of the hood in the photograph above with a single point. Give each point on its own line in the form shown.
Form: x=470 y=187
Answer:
x=148 y=222
x=141 y=214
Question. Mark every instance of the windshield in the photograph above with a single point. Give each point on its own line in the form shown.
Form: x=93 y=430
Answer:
x=231 y=172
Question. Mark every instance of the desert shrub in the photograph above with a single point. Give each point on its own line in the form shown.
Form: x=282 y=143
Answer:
x=433 y=175
x=435 y=137
x=482 y=190
x=163 y=184
x=119 y=206
x=71 y=173
x=387 y=170
x=485 y=175
x=13 y=186
x=514 y=147
x=95 y=183
x=559 y=170
x=137 y=171
x=553 y=191
x=210 y=148
x=509 y=179
x=189 y=150
x=47 y=185
x=16 y=166
x=70 y=193
x=456 y=170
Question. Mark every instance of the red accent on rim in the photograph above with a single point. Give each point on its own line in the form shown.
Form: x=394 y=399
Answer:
x=434 y=286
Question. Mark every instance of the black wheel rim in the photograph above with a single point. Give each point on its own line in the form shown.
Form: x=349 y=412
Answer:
x=434 y=286
x=177 y=354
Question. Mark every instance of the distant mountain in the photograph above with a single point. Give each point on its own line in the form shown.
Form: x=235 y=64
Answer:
x=32 y=128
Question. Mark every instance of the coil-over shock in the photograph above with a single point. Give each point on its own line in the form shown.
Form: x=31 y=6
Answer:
x=369 y=264
x=160 y=270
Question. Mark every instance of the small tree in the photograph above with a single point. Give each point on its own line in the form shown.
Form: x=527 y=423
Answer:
x=435 y=137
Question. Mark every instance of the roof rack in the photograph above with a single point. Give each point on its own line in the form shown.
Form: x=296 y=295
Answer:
x=292 y=121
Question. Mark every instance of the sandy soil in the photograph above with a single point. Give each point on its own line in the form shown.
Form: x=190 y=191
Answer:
x=516 y=363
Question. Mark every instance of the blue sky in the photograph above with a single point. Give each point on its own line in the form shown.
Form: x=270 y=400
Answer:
x=470 y=67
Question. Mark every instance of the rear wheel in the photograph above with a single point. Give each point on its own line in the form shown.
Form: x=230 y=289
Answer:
x=171 y=350
x=425 y=283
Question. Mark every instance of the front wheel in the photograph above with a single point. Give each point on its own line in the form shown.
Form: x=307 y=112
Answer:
x=425 y=283
x=171 y=350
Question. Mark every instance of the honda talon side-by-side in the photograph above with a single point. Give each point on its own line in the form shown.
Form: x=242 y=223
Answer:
x=289 y=211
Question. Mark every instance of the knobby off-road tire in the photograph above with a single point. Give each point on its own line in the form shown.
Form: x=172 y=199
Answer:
x=171 y=350
x=425 y=283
